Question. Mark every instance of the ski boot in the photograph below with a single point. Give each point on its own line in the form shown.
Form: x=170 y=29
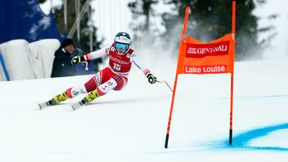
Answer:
x=54 y=101
x=89 y=98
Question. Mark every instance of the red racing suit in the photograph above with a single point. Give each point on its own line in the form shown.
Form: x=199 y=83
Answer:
x=114 y=76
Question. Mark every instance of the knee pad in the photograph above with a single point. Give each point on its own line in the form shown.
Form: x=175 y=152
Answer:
x=107 y=86
x=75 y=91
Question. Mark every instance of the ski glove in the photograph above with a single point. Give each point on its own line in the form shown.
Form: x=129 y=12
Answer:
x=76 y=60
x=151 y=78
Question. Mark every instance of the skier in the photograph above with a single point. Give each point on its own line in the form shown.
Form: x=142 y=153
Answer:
x=113 y=77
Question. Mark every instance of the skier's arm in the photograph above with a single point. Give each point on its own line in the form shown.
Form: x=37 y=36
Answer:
x=97 y=54
x=151 y=78
x=91 y=56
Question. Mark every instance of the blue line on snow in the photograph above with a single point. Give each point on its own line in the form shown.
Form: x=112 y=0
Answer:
x=242 y=140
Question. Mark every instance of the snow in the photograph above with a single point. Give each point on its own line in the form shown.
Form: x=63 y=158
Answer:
x=278 y=47
x=46 y=6
x=130 y=125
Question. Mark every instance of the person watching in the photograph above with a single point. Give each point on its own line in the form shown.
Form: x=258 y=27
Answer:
x=62 y=62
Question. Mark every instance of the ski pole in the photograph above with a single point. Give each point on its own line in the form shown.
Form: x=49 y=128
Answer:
x=164 y=81
x=86 y=65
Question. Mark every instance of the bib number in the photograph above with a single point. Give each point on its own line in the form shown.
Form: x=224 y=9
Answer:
x=116 y=67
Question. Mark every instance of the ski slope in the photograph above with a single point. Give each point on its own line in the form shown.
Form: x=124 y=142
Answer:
x=130 y=125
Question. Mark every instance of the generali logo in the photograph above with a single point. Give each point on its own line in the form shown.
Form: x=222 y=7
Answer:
x=212 y=49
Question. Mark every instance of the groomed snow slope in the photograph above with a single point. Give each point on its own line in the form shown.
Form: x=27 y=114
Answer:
x=130 y=125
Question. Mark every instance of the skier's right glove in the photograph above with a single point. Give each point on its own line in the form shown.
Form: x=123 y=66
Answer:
x=151 y=78
x=76 y=60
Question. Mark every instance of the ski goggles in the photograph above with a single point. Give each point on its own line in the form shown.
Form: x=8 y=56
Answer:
x=122 y=46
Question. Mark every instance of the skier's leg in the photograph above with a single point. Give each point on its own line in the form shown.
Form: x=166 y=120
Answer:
x=101 y=77
x=72 y=92
x=121 y=82
x=89 y=86
x=115 y=83
x=69 y=93
x=101 y=90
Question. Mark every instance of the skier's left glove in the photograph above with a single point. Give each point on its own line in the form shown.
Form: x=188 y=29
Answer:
x=151 y=78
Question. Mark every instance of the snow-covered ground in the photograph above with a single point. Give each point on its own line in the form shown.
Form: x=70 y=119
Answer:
x=130 y=125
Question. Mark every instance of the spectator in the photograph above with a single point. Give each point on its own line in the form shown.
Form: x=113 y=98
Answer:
x=62 y=62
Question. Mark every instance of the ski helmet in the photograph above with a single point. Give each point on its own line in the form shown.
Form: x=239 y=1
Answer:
x=122 y=41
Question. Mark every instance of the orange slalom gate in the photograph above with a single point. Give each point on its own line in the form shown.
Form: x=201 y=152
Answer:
x=197 y=57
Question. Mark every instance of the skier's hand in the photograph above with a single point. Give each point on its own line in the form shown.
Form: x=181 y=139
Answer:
x=151 y=78
x=76 y=60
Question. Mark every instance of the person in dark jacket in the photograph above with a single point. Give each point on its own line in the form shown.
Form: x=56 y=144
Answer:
x=62 y=62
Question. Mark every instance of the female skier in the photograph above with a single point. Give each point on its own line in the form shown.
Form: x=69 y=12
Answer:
x=113 y=77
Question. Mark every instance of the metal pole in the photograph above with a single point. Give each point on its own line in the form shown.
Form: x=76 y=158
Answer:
x=84 y=9
x=65 y=16
x=78 y=31
x=77 y=6
x=90 y=29
x=76 y=13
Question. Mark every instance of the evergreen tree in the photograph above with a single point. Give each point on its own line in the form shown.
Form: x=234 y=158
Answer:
x=139 y=8
x=142 y=12
x=208 y=21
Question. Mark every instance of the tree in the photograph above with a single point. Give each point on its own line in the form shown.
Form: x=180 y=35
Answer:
x=142 y=11
x=84 y=25
x=139 y=8
x=210 y=20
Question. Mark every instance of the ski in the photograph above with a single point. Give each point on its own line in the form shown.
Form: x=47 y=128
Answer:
x=45 y=104
x=79 y=104
x=74 y=106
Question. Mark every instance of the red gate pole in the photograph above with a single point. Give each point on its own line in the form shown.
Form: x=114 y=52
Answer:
x=180 y=58
x=232 y=73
